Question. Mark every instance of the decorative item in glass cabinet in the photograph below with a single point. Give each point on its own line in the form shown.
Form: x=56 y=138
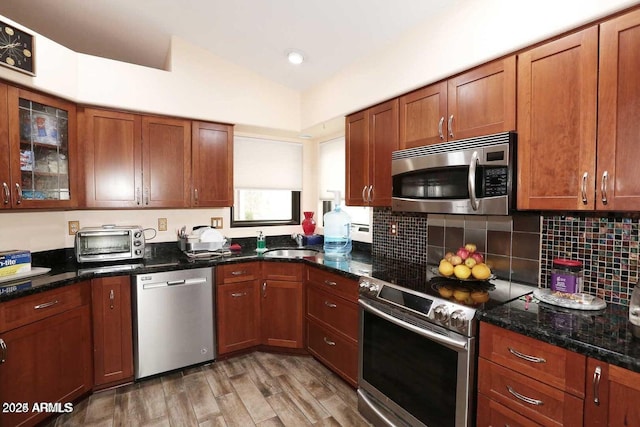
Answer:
x=308 y=224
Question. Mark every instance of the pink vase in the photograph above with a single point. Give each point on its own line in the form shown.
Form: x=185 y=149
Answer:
x=308 y=224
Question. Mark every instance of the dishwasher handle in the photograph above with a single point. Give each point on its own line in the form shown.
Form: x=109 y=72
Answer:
x=186 y=282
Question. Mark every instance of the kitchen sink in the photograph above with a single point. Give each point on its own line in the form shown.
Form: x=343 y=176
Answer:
x=290 y=253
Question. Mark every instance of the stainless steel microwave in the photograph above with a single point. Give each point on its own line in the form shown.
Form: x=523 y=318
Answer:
x=472 y=176
x=109 y=243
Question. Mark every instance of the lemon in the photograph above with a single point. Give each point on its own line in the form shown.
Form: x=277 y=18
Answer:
x=462 y=271
x=445 y=268
x=481 y=271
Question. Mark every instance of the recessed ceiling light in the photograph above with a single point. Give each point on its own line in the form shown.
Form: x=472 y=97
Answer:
x=295 y=57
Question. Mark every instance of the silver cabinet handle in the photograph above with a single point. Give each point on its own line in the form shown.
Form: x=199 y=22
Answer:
x=330 y=283
x=440 y=123
x=45 y=305
x=238 y=294
x=329 y=342
x=370 y=194
x=330 y=304
x=526 y=357
x=112 y=298
x=6 y=192
x=18 y=194
x=584 y=188
x=138 y=198
x=525 y=399
x=597 y=373
x=471 y=181
x=450 y=124
x=603 y=187
x=146 y=195
x=264 y=290
x=364 y=190
x=238 y=272
x=3 y=351
x=195 y=194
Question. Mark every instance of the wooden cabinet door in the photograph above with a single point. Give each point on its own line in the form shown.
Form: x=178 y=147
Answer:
x=112 y=330
x=618 y=186
x=212 y=165
x=556 y=122
x=624 y=395
x=282 y=315
x=112 y=158
x=5 y=176
x=596 y=396
x=483 y=100
x=166 y=162
x=238 y=306
x=46 y=361
x=383 y=140
x=423 y=116
x=357 y=158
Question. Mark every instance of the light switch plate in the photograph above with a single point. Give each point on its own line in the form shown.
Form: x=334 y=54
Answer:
x=74 y=226
x=216 y=221
x=162 y=224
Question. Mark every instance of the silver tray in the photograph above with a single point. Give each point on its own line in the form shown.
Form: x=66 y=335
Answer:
x=546 y=296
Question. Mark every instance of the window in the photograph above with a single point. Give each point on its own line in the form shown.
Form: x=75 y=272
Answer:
x=268 y=180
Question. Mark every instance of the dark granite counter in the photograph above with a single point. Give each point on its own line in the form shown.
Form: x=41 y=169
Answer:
x=604 y=335
x=158 y=257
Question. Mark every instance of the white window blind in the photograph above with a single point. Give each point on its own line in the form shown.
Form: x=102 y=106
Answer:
x=331 y=167
x=267 y=164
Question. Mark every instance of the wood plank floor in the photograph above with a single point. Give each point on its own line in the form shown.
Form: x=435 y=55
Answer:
x=257 y=389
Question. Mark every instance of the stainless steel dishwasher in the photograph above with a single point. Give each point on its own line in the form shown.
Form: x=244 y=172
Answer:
x=174 y=320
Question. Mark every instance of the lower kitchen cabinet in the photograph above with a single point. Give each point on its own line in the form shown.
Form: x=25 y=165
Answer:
x=281 y=306
x=112 y=331
x=238 y=306
x=46 y=352
x=332 y=322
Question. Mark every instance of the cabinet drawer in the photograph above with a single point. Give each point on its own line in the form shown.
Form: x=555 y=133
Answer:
x=285 y=271
x=532 y=399
x=331 y=348
x=233 y=273
x=547 y=363
x=492 y=413
x=334 y=283
x=333 y=311
x=22 y=311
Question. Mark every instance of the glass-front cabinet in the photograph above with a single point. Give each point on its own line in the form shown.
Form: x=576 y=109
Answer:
x=41 y=151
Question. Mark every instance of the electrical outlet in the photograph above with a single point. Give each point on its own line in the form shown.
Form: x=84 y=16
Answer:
x=74 y=226
x=393 y=228
x=162 y=224
x=216 y=221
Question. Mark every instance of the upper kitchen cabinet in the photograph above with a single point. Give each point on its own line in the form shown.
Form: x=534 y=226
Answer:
x=135 y=161
x=618 y=111
x=370 y=138
x=478 y=102
x=212 y=165
x=557 y=96
x=38 y=162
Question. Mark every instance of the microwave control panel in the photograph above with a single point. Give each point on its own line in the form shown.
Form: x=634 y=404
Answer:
x=495 y=182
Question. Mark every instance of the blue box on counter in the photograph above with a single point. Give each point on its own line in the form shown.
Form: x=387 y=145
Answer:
x=14 y=262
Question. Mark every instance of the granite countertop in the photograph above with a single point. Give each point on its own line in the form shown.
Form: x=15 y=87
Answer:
x=158 y=257
x=604 y=334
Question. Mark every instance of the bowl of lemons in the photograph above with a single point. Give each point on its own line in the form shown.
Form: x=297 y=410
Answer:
x=467 y=263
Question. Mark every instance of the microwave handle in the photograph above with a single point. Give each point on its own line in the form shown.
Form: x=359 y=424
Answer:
x=471 y=183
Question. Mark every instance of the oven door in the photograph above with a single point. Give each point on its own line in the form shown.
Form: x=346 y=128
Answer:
x=413 y=373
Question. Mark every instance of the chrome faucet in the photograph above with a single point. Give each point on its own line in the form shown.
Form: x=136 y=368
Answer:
x=298 y=238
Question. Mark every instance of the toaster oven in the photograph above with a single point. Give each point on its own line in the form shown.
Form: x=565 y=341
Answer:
x=109 y=243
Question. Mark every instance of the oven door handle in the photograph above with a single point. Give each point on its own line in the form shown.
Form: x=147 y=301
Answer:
x=456 y=344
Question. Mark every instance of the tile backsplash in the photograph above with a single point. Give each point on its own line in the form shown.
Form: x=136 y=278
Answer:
x=521 y=247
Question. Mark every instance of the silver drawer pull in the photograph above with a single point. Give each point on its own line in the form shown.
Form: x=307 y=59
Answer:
x=7 y=193
x=596 y=385
x=328 y=341
x=330 y=283
x=112 y=298
x=525 y=399
x=238 y=294
x=3 y=351
x=45 y=305
x=330 y=304
x=238 y=272
x=526 y=357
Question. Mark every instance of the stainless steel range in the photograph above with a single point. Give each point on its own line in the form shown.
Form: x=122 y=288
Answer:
x=417 y=343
